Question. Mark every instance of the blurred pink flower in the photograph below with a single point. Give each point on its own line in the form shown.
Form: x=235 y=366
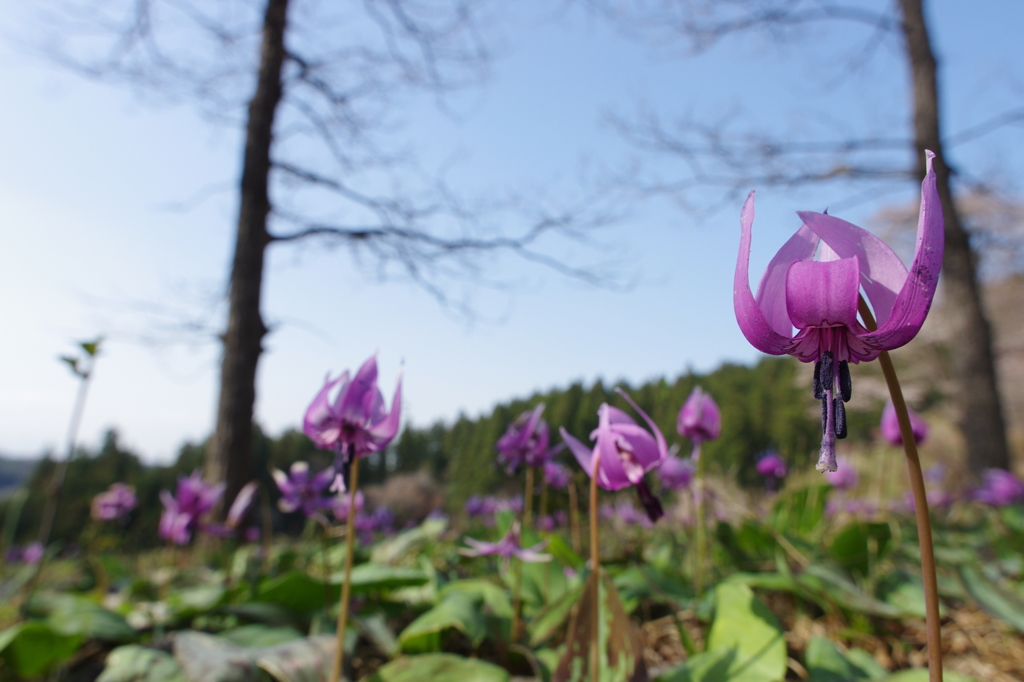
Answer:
x=114 y=503
x=891 y=426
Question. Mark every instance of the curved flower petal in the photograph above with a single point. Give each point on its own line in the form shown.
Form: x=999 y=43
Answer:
x=662 y=447
x=823 y=294
x=583 y=454
x=318 y=423
x=384 y=431
x=354 y=404
x=771 y=292
x=749 y=315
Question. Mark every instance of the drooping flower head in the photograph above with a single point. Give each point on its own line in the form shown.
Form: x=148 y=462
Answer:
x=676 y=473
x=356 y=423
x=625 y=451
x=845 y=476
x=114 y=503
x=183 y=512
x=814 y=283
x=699 y=419
x=773 y=468
x=506 y=548
x=891 y=425
x=299 y=490
x=1000 y=488
x=525 y=442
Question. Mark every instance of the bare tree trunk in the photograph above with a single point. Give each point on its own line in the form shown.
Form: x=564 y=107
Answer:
x=981 y=415
x=229 y=457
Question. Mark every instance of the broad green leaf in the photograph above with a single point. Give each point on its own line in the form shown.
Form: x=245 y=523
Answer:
x=376 y=629
x=133 y=663
x=621 y=652
x=457 y=611
x=408 y=543
x=439 y=668
x=257 y=635
x=33 y=647
x=800 y=511
x=74 y=615
x=860 y=545
x=825 y=663
x=494 y=597
x=302 y=660
x=833 y=586
x=997 y=601
x=905 y=592
x=744 y=626
x=214 y=659
x=548 y=622
x=190 y=601
x=371 y=577
x=298 y=591
x=562 y=552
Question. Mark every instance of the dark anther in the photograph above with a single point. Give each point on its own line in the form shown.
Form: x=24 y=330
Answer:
x=845 y=383
x=840 y=419
x=824 y=415
x=819 y=392
x=827 y=371
x=652 y=505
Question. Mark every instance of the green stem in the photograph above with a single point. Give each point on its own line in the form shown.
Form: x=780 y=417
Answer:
x=933 y=628
x=339 y=653
x=528 y=499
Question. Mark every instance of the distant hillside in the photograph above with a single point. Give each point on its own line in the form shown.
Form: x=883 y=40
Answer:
x=14 y=473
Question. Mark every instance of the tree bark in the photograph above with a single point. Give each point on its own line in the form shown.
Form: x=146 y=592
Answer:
x=980 y=408
x=229 y=455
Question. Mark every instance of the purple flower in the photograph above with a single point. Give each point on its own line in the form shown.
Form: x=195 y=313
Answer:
x=475 y=506
x=699 y=418
x=676 y=473
x=236 y=514
x=506 y=548
x=626 y=513
x=891 y=425
x=525 y=442
x=356 y=423
x=772 y=466
x=301 y=491
x=182 y=513
x=844 y=477
x=556 y=475
x=820 y=298
x=115 y=503
x=32 y=553
x=624 y=452
x=1000 y=488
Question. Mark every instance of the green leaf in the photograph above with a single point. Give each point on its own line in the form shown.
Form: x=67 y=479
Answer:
x=377 y=630
x=439 y=668
x=800 y=511
x=302 y=660
x=72 y=363
x=562 y=552
x=744 y=626
x=256 y=635
x=833 y=587
x=457 y=611
x=33 y=647
x=991 y=597
x=549 y=621
x=297 y=591
x=190 y=601
x=408 y=543
x=74 y=615
x=214 y=659
x=133 y=663
x=371 y=577
x=91 y=347
x=860 y=545
x=905 y=592
x=825 y=663
x=494 y=597
x=621 y=650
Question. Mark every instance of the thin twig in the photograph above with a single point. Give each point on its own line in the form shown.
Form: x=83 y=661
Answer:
x=924 y=525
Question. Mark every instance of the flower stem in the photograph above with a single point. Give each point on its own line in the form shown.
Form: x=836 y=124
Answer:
x=595 y=560
x=517 y=602
x=543 y=515
x=528 y=499
x=924 y=524
x=350 y=536
x=574 y=518
x=699 y=540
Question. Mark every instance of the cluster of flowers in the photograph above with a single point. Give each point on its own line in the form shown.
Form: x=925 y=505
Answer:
x=484 y=508
x=186 y=512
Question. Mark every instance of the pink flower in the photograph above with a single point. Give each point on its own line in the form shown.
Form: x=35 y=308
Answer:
x=115 y=503
x=625 y=452
x=819 y=297
x=506 y=548
x=356 y=423
x=844 y=477
x=891 y=425
x=699 y=418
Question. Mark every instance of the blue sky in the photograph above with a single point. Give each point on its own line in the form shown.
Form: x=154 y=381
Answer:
x=95 y=239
